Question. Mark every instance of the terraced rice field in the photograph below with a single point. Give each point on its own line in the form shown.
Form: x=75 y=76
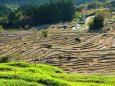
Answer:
x=26 y=74
x=70 y=50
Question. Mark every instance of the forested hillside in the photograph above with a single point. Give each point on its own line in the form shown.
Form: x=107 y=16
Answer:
x=37 y=36
x=18 y=13
x=41 y=1
x=82 y=1
x=36 y=12
x=22 y=1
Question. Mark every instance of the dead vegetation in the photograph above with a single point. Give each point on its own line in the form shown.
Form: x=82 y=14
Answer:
x=73 y=51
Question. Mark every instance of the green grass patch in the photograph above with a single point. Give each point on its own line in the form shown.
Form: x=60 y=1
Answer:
x=25 y=74
x=4 y=82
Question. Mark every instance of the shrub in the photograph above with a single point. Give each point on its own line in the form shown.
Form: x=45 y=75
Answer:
x=44 y=33
x=5 y=59
x=97 y=23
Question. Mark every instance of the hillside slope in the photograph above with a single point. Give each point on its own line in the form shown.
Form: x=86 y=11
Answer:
x=24 y=74
x=21 y=1
x=88 y=1
x=82 y=1
x=28 y=1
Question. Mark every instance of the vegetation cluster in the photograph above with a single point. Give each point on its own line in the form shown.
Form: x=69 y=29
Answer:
x=35 y=14
x=25 y=74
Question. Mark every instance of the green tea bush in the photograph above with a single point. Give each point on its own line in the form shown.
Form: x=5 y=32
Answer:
x=25 y=74
x=17 y=83
x=52 y=82
x=19 y=64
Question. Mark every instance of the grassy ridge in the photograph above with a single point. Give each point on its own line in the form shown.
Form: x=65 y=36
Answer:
x=24 y=74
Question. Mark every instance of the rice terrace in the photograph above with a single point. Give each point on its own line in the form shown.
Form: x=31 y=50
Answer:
x=73 y=46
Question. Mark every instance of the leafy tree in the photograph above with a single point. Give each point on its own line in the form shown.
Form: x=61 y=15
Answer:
x=4 y=11
x=97 y=23
x=52 y=11
x=15 y=18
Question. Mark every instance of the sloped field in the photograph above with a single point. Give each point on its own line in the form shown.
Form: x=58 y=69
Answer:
x=72 y=51
x=25 y=74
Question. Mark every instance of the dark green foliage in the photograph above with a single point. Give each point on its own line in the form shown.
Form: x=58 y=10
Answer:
x=97 y=23
x=82 y=1
x=52 y=11
x=113 y=3
x=15 y=18
x=5 y=69
x=4 y=11
x=5 y=59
